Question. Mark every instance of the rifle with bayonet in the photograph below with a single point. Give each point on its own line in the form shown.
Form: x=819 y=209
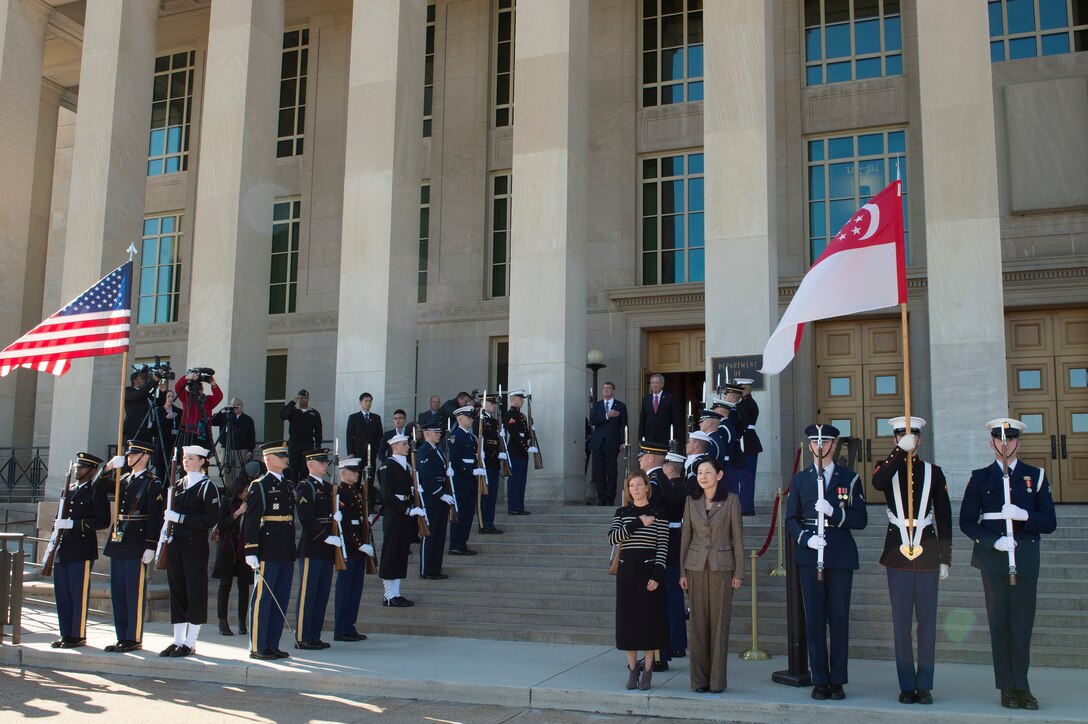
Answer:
x=417 y=491
x=340 y=561
x=538 y=459
x=506 y=471
x=167 y=527
x=447 y=484
x=364 y=522
x=481 y=480
x=51 y=548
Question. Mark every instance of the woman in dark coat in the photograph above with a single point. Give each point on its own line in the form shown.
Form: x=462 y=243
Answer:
x=230 y=550
x=641 y=619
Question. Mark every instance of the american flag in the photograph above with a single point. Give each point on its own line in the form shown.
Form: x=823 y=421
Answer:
x=94 y=324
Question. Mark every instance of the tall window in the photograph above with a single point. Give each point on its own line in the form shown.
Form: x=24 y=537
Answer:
x=504 y=64
x=424 y=239
x=846 y=171
x=500 y=362
x=275 y=394
x=428 y=73
x=171 y=113
x=160 y=270
x=292 y=118
x=672 y=51
x=672 y=219
x=283 y=279
x=501 y=202
x=1030 y=28
x=852 y=40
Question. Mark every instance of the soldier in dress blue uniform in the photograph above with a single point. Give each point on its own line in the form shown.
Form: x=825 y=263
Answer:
x=748 y=447
x=984 y=517
x=399 y=527
x=916 y=554
x=714 y=423
x=138 y=524
x=493 y=466
x=269 y=531
x=463 y=469
x=651 y=457
x=431 y=467
x=86 y=510
x=841 y=502
x=518 y=445
x=316 y=548
x=354 y=528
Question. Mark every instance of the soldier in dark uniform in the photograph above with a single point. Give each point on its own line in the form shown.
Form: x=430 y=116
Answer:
x=316 y=549
x=86 y=510
x=517 y=446
x=303 y=432
x=673 y=506
x=493 y=466
x=913 y=572
x=131 y=546
x=431 y=466
x=354 y=527
x=985 y=516
x=269 y=530
x=464 y=470
x=399 y=527
x=714 y=424
x=841 y=502
x=748 y=447
x=651 y=455
x=193 y=513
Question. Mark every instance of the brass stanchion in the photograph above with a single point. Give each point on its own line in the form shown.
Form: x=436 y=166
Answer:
x=755 y=653
x=780 y=569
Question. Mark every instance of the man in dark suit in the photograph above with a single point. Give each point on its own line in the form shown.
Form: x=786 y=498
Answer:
x=609 y=420
x=660 y=418
x=434 y=415
x=1006 y=507
x=364 y=436
x=400 y=419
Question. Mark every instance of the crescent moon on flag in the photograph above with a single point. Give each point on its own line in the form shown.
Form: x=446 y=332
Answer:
x=874 y=220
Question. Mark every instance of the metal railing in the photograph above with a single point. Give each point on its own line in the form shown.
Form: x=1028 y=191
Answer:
x=23 y=471
x=11 y=584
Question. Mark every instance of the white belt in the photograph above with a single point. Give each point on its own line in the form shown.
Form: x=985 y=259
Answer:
x=992 y=516
x=355 y=522
x=898 y=518
x=676 y=525
x=904 y=522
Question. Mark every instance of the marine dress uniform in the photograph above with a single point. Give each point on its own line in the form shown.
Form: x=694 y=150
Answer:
x=1010 y=609
x=517 y=430
x=269 y=530
x=913 y=574
x=86 y=510
x=354 y=527
x=316 y=553
x=431 y=468
x=827 y=602
x=463 y=449
x=132 y=545
x=493 y=466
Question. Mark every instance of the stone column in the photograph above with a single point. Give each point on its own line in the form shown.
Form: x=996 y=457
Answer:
x=106 y=206
x=22 y=43
x=232 y=231
x=741 y=249
x=379 y=252
x=963 y=233
x=548 y=235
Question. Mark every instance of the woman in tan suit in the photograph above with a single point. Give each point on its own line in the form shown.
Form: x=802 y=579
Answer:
x=712 y=557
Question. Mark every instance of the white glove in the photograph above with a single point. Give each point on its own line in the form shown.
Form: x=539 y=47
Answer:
x=148 y=556
x=367 y=549
x=1005 y=543
x=502 y=456
x=400 y=497
x=117 y=461
x=945 y=571
x=418 y=512
x=533 y=450
x=172 y=515
x=816 y=543
x=449 y=472
x=252 y=562
x=908 y=442
x=338 y=516
x=334 y=540
x=822 y=506
x=65 y=523
x=1013 y=512
x=447 y=499
x=479 y=471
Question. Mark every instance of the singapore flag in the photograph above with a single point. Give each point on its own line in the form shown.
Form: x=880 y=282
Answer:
x=862 y=268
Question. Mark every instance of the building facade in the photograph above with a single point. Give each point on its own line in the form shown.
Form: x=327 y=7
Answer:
x=412 y=199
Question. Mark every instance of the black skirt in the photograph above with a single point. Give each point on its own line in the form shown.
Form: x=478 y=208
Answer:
x=641 y=623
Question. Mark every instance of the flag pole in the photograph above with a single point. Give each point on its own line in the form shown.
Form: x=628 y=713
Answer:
x=121 y=418
x=910 y=427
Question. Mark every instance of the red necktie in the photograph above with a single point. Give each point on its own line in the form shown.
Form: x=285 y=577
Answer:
x=655 y=404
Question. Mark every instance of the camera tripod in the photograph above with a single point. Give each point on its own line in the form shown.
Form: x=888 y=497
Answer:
x=152 y=421
x=226 y=439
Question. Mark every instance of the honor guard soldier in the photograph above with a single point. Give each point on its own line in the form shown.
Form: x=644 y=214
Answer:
x=86 y=510
x=463 y=470
x=676 y=497
x=399 y=526
x=131 y=545
x=431 y=466
x=316 y=548
x=269 y=530
x=303 y=432
x=651 y=455
x=917 y=551
x=1006 y=507
x=354 y=527
x=493 y=466
x=749 y=446
x=698 y=447
x=819 y=517
x=517 y=447
x=710 y=424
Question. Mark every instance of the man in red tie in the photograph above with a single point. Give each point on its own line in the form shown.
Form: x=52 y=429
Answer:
x=660 y=415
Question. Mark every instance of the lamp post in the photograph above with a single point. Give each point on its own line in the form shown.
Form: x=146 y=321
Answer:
x=595 y=362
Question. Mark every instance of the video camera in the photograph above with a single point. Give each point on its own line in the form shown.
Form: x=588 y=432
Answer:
x=160 y=370
x=204 y=374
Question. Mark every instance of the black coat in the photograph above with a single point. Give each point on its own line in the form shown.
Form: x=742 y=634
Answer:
x=138 y=400
x=89 y=509
x=363 y=435
x=607 y=431
x=304 y=426
x=143 y=499
x=238 y=430
x=654 y=427
x=270 y=540
x=428 y=416
x=936 y=540
x=229 y=530
x=748 y=413
x=315 y=515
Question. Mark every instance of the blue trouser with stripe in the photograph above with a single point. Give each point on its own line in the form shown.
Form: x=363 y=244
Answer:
x=127 y=594
x=313 y=596
x=272 y=587
x=349 y=590
x=72 y=588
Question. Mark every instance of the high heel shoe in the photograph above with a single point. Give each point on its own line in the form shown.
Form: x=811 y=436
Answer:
x=632 y=677
x=644 y=680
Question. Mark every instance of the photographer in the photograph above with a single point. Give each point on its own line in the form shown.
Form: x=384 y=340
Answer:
x=237 y=433
x=140 y=403
x=196 y=407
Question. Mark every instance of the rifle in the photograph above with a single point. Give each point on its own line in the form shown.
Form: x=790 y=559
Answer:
x=820 y=496
x=447 y=485
x=1008 y=499
x=506 y=471
x=167 y=527
x=481 y=480
x=51 y=548
x=364 y=523
x=340 y=559
x=417 y=495
x=538 y=459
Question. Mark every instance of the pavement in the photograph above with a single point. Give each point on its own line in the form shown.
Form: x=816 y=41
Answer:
x=553 y=680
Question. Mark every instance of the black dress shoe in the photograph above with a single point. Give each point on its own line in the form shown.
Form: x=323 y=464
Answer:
x=266 y=655
x=281 y=654
x=661 y=666
x=396 y=602
x=494 y=531
x=73 y=643
x=906 y=697
x=350 y=637
x=837 y=693
x=224 y=628
x=434 y=577
x=702 y=690
x=59 y=643
x=309 y=645
x=406 y=601
x=112 y=648
x=1009 y=699
x=679 y=653
x=462 y=552
x=182 y=650
x=1027 y=701
x=821 y=692
x=242 y=628
x=169 y=650
x=716 y=691
x=123 y=647
x=923 y=697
